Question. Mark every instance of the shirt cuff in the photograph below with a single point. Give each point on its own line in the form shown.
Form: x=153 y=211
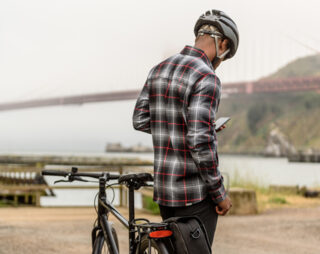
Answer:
x=219 y=194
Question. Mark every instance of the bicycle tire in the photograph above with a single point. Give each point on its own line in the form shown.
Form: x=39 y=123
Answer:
x=100 y=245
x=157 y=246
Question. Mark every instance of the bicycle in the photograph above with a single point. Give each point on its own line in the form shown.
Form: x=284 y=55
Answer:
x=145 y=237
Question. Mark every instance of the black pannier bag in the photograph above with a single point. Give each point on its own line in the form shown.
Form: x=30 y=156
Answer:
x=190 y=236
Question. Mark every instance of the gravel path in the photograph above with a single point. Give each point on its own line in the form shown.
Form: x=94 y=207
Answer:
x=67 y=230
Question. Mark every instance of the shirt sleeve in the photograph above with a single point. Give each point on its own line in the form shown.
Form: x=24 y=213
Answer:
x=201 y=135
x=141 y=113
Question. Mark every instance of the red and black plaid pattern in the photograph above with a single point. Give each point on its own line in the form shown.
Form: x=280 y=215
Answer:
x=177 y=105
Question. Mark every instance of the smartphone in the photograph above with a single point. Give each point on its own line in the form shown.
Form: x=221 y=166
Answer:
x=221 y=121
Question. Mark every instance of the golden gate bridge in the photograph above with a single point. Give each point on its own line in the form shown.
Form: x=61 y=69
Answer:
x=260 y=86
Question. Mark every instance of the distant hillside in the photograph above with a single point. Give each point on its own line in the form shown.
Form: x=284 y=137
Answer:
x=253 y=117
x=305 y=66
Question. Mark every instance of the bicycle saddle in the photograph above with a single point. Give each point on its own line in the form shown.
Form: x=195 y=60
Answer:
x=137 y=178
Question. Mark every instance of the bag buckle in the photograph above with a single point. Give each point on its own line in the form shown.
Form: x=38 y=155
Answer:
x=195 y=234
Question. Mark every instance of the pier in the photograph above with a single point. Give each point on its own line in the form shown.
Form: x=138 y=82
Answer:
x=21 y=182
x=304 y=157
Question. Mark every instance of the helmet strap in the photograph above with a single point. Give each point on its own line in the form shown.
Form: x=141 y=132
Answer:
x=215 y=36
x=217 y=48
x=218 y=57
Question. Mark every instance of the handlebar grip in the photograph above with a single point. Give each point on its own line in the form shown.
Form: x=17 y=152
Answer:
x=54 y=173
x=114 y=176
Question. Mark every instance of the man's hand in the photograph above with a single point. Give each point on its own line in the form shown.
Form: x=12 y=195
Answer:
x=221 y=128
x=224 y=206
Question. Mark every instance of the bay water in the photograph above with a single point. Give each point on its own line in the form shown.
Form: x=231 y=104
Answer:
x=261 y=171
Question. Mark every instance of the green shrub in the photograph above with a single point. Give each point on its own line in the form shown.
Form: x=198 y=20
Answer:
x=150 y=205
x=247 y=182
x=276 y=109
x=278 y=200
x=255 y=114
x=3 y=204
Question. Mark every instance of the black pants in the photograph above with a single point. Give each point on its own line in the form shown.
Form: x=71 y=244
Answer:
x=205 y=210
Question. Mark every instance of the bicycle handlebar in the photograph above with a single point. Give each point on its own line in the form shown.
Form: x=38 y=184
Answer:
x=54 y=173
x=65 y=173
x=131 y=180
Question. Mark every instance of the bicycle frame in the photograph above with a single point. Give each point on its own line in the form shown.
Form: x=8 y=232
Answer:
x=104 y=207
x=104 y=227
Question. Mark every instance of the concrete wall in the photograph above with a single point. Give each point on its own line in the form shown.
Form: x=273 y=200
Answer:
x=243 y=201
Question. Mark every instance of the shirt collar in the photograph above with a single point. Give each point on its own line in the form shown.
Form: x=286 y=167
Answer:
x=196 y=52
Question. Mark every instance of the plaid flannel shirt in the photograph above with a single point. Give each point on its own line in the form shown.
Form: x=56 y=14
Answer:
x=177 y=105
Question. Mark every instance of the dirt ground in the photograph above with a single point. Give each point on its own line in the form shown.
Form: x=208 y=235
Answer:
x=67 y=230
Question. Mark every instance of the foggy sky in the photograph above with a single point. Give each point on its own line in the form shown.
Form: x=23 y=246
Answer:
x=71 y=46
x=62 y=47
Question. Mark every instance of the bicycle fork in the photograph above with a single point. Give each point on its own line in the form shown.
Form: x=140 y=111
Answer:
x=103 y=222
x=107 y=232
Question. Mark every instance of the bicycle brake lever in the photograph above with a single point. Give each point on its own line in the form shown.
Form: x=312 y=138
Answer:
x=71 y=179
x=61 y=181
x=78 y=178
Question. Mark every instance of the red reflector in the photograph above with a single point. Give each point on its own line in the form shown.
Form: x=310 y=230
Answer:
x=160 y=233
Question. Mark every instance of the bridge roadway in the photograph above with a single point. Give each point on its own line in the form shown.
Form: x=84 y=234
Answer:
x=261 y=86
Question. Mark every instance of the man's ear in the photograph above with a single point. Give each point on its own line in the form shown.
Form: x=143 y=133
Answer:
x=223 y=46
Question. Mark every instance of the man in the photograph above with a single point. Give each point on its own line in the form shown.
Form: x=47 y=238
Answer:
x=177 y=105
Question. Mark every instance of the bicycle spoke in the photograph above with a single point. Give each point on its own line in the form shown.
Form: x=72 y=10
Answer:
x=153 y=251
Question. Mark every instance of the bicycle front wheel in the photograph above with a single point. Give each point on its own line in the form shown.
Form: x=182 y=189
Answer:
x=100 y=245
x=157 y=247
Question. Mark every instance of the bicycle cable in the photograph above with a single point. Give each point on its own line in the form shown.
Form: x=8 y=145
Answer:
x=94 y=202
x=95 y=223
x=113 y=194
